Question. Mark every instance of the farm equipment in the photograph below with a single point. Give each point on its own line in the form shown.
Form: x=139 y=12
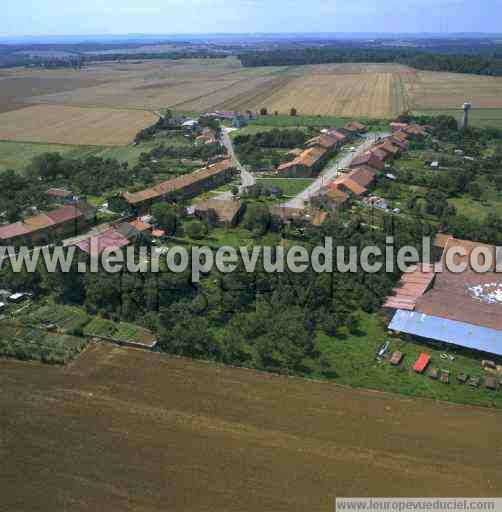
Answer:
x=474 y=382
x=397 y=358
x=445 y=376
x=434 y=374
x=463 y=378
x=422 y=363
x=382 y=350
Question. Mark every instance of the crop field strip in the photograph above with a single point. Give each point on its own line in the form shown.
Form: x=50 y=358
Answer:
x=344 y=90
x=154 y=433
x=60 y=124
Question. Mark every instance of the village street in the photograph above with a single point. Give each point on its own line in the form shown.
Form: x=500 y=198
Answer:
x=247 y=179
x=342 y=162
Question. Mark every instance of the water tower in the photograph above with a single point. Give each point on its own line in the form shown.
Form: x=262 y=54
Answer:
x=466 y=108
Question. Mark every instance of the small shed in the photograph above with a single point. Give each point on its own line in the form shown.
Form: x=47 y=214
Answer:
x=434 y=374
x=445 y=376
x=491 y=383
x=463 y=378
x=474 y=382
x=397 y=358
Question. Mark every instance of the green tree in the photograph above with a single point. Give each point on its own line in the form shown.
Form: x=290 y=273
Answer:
x=165 y=215
x=257 y=218
x=196 y=230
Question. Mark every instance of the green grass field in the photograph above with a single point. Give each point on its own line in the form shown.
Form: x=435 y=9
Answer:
x=289 y=186
x=353 y=359
x=234 y=237
x=466 y=205
x=17 y=155
x=483 y=117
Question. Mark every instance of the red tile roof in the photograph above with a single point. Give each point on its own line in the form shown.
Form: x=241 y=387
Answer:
x=337 y=134
x=158 y=233
x=140 y=225
x=12 y=230
x=389 y=147
x=399 y=135
x=355 y=126
x=38 y=222
x=109 y=238
x=416 y=129
x=345 y=182
x=308 y=158
x=325 y=141
x=363 y=176
x=65 y=214
x=368 y=159
x=59 y=192
x=412 y=286
x=461 y=296
x=380 y=154
x=398 y=126
x=179 y=183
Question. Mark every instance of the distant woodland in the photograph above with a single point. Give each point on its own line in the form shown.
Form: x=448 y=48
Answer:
x=489 y=63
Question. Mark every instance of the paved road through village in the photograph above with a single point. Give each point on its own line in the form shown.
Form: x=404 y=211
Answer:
x=331 y=172
x=300 y=201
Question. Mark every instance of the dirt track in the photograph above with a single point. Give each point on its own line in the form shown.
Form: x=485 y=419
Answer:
x=122 y=430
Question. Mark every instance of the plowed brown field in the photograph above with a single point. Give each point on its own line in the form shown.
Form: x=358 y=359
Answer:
x=123 y=430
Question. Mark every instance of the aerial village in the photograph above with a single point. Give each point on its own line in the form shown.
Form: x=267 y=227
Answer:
x=344 y=166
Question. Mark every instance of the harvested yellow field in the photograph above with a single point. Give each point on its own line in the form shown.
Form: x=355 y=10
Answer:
x=200 y=85
x=368 y=90
x=434 y=90
x=73 y=125
x=365 y=95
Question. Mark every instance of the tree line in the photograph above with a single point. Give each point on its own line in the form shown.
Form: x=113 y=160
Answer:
x=480 y=64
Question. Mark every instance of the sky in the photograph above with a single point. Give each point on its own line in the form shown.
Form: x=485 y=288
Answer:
x=87 y=17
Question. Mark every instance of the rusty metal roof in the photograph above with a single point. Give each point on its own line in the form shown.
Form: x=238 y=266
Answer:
x=179 y=183
x=455 y=296
x=412 y=286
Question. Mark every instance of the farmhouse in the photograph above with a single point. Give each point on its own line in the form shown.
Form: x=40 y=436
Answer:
x=327 y=142
x=396 y=127
x=220 y=212
x=402 y=144
x=53 y=225
x=380 y=154
x=390 y=148
x=400 y=136
x=306 y=164
x=356 y=127
x=340 y=134
x=186 y=186
x=109 y=239
x=416 y=130
x=330 y=198
x=364 y=176
x=368 y=159
x=463 y=309
x=349 y=186
x=207 y=136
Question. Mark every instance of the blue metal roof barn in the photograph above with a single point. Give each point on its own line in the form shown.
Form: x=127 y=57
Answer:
x=448 y=331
